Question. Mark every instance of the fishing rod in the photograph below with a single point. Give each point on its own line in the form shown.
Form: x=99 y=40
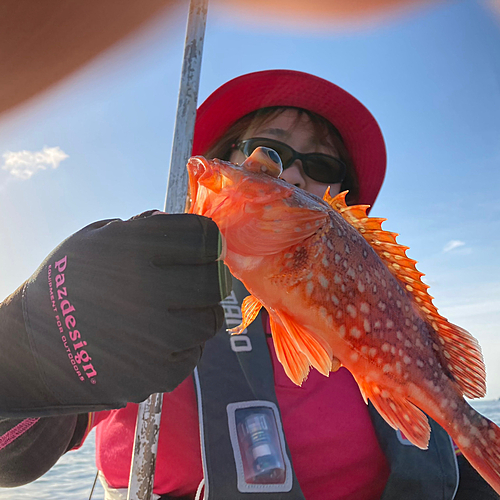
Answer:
x=149 y=413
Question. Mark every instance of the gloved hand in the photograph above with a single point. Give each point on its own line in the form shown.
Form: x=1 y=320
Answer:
x=121 y=309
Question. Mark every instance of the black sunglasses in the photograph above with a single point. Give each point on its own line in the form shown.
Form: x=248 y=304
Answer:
x=318 y=166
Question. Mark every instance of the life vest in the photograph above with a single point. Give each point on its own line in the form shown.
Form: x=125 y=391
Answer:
x=244 y=448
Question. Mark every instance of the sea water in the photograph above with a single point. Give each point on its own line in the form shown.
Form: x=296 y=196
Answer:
x=72 y=477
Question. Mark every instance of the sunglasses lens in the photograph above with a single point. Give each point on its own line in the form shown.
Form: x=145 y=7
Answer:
x=284 y=152
x=324 y=169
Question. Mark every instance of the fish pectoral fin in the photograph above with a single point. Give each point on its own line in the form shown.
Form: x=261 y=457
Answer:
x=294 y=362
x=400 y=414
x=318 y=353
x=249 y=310
x=275 y=231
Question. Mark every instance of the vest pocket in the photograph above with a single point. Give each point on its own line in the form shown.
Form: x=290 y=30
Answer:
x=259 y=447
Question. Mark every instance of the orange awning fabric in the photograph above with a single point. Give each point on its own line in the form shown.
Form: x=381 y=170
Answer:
x=42 y=42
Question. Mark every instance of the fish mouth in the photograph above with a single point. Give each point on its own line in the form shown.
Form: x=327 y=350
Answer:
x=204 y=177
x=197 y=167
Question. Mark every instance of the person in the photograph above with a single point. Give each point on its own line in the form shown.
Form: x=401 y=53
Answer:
x=123 y=309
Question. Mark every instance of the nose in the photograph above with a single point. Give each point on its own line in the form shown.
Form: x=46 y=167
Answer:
x=264 y=160
x=294 y=175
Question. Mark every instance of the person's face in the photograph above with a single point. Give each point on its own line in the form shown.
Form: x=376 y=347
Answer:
x=300 y=136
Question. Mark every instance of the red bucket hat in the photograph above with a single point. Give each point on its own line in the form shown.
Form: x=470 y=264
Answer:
x=244 y=94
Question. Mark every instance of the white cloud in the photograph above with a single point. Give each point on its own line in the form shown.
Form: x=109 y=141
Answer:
x=23 y=164
x=451 y=245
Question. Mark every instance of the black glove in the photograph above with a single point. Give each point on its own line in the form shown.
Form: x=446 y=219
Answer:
x=121 y=309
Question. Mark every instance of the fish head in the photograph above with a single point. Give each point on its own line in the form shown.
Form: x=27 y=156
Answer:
x=256 y=212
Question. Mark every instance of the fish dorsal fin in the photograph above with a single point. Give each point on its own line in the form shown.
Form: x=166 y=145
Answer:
x=452 y=341
x=399 y=413
x=319 y=354
x=294 y=362
x=249 y=310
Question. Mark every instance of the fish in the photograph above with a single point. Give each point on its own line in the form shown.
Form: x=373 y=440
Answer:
x=341 y=291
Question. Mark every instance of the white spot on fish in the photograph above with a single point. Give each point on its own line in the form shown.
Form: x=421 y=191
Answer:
x=337 y=279
x=335 y=299
x=399 y=369
x=364 y=349
x=351 y=310
x=338 y=258
x=393 y=350
x=364 y=308
x=382 y=306
x=420 y=363
x=298 y=229
x=389 y=323
x=386 y=347
x=324 y=261
x=387 y=368
x=355 y=332
x=323 y=281
x=377 y=324
x=372 y=352
x=309 y=288
x=398 y=303
x=322 y=312
x=339 y=314
x=354 y=356
x=342 y=331
x=463 y=442
x=408 y=344
x=366 y=326
x=399 y=335
x=361 y=287
x=407 y=360
x=347 y=249
x=351 y=273
x=329 y=245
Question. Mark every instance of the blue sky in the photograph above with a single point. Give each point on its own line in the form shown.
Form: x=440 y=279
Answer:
x=432 y=80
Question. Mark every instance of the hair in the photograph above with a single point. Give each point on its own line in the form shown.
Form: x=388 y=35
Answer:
x=326 y=133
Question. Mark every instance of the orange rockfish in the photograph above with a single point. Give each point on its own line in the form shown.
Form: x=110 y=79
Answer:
x=340 y=291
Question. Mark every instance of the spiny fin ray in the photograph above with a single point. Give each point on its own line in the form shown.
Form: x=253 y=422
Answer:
x=249 y=310
x=399 y=413
x=318 y=353
x=295 y=363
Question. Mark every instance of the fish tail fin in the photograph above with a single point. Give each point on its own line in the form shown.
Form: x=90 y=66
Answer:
x=479 y=442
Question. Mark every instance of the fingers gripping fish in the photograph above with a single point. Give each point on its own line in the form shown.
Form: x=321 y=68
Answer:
x=340 y=290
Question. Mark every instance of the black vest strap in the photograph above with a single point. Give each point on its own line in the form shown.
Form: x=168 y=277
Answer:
x=224 y=377
x=239 y=369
